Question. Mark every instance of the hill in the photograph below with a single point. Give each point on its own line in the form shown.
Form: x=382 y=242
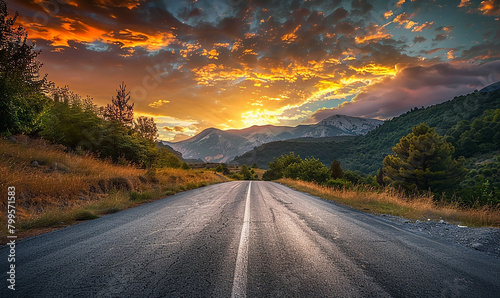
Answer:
x=365 y=153
x=215 y=145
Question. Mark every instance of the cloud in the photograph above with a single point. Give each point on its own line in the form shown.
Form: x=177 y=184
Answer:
x=253 y=62
x=419 y=28
x=416 y=86
x=490 y=7
x=158 y=103
x=175 y=128
x=418 y=39
x=440 y=37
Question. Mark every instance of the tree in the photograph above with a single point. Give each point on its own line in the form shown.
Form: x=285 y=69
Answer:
x=423 y=161
x=245 y=172
x=146 y=127
x=277 y=166
x=336 y=171
x=380 y=177
x=119 y=109
x=310 y=169
x=22 y=100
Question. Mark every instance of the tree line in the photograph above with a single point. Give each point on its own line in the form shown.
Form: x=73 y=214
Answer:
x=422 y=161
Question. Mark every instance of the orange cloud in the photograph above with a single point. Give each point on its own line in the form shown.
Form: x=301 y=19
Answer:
x=425 y=25
x=376 y=33
x=464 y=3
x=490 y=7
x=78 y=31
x=290 y=37
x=158 y=103
x=175 y=128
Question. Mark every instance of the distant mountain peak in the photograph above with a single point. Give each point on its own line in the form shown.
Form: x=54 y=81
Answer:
x=215 y=145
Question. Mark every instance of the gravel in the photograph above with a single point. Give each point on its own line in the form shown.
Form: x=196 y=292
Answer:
x=486 y=240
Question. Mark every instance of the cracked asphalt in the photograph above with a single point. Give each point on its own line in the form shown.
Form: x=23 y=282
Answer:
x=298 y=246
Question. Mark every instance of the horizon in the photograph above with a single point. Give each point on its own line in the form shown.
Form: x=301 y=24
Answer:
x=235 y=64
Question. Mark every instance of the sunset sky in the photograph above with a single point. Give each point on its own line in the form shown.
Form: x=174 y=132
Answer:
x=235 y=63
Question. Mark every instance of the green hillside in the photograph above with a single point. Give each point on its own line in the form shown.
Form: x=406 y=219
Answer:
x=365 y=153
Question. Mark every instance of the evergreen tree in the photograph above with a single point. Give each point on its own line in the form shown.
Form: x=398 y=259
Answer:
x=336 y=171
x=423 y=161
x=119 y=109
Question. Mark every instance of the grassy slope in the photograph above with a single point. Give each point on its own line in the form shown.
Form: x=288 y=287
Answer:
x=393 y=203
x=64 y=188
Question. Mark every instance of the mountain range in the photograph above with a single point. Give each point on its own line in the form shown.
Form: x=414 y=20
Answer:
x=215 y=145
x=365 y=153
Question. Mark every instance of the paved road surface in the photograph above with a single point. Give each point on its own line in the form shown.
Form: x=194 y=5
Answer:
x=258 y=239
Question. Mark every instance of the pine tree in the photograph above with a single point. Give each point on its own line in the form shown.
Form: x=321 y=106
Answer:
x=119 y=109
x=335 y=170
x=423 y=161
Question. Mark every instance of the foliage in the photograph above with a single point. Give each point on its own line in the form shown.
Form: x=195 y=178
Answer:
x=310 y=169
x=245 y=172
x=336 y=171
x=479 y=136
x=72 y=124
x=166 y=159
x=119 y=109
x=22 y=100
x=185 y=166
x=423 y=161
x=146 y=127
x=277 y=167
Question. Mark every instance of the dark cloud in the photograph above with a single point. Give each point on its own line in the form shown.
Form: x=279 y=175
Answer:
x=415 y=87
x=361 y=7
x=339 y=14
x=418 y=39
x=440 y=37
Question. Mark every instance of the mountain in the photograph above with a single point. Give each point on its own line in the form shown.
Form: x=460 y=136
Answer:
x=492 y=87
x=215 y=145
x=365 y=153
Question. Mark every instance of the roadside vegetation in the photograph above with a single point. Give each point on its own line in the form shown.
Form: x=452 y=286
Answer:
x=387 y=200
x=421 y=180
x=55 y=188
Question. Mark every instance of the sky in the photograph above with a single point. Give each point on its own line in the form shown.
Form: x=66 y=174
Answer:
x=236 y=63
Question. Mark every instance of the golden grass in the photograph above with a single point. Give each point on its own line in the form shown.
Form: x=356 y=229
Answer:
x=66 y=187
x=389 y=201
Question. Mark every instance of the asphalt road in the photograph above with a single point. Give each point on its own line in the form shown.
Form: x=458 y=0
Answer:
x=258 y=239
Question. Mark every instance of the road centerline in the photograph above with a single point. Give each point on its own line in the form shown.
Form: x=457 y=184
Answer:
x=240 y=271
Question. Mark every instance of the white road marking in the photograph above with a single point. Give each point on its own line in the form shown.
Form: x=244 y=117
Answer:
x=240 y=272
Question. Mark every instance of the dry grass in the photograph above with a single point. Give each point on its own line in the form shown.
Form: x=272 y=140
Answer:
x=66 y=187
x=392 y=202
